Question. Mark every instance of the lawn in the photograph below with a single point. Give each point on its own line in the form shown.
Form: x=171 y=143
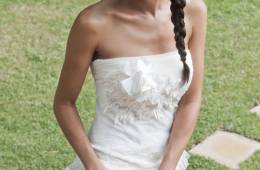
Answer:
x=32 y=41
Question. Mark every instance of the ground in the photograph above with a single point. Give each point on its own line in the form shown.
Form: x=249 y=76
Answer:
x=32 y=41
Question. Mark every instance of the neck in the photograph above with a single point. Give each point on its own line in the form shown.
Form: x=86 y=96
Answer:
x=145 y=6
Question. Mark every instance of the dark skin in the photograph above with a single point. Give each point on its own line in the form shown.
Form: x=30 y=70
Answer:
x=118 y=28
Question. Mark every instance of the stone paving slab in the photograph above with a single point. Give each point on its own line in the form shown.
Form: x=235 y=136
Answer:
x=256 y=110
x=227 y=148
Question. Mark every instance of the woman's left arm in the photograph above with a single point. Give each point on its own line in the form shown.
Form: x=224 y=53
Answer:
x=189 y=106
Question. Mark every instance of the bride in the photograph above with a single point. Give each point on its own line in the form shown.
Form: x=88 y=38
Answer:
x=147 y=60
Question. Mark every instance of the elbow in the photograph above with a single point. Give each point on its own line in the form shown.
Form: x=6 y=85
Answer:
x=55 y=106
x=192 y=99
x=60 y=105
x=193 y=103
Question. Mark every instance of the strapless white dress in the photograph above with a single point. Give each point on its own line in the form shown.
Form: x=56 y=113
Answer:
x=136 y=100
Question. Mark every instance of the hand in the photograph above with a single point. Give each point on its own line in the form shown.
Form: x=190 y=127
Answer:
x=95 y=166
x=100 y=167
x=167 y=165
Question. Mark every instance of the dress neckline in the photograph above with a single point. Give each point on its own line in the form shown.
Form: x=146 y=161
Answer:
x=158 y=56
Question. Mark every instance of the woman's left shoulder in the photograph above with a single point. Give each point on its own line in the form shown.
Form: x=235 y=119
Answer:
x=196 y=8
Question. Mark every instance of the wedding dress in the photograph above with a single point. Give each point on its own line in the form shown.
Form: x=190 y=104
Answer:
x=136 y=100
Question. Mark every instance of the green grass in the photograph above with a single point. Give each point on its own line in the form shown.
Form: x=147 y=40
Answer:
x=32 y=42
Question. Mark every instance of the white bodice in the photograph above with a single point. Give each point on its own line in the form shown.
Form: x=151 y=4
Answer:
x=139 y=88
x=136 y=100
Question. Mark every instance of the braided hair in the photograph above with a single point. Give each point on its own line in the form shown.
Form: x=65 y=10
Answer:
x=177 y=19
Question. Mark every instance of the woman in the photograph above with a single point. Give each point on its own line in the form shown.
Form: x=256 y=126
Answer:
x=148 y=83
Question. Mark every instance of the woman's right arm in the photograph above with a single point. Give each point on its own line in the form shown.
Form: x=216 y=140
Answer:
x=81 y=44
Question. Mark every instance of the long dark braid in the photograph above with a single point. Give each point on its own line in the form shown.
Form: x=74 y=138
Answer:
x=177 y=19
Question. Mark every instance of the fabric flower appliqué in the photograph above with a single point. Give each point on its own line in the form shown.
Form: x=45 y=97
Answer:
x=139 y=81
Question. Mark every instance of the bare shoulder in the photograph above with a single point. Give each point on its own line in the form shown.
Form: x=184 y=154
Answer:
x=91 y=18
x=197 y=9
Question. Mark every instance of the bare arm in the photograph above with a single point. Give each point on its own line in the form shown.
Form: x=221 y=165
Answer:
x=81 y=45
x=189 y=105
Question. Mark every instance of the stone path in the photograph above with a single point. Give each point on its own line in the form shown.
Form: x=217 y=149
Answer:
x=256 y=110
x=227 y=148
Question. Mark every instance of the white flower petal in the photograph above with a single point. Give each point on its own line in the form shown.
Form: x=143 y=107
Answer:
x=140 y=81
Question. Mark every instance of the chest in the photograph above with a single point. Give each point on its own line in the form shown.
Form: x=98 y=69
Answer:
x=138 y=36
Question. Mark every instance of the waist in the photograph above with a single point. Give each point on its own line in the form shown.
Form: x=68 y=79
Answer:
x=131 y=137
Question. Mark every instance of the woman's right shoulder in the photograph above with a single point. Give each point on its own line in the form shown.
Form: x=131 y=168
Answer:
x=92 y=17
